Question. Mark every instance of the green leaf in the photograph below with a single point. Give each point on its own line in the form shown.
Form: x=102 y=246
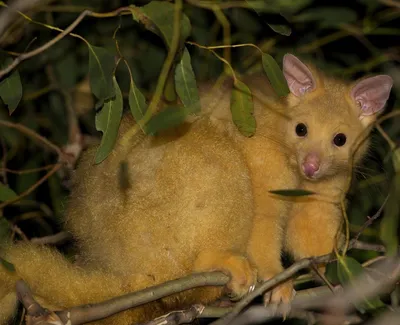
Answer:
x=101 y=67
x=185 y=83
x=331 y=273
x=275 y=75
x=5 y=231
x=123 y=175
x=293 y=192
x=242 y=109
x=161 y=13
x=6 y=193
x=9 y=267
x=284 y=30
x=347 y=270
x=168 y=118
x=328 y=17
x=10 y=87
x=108 y=121
x=245 y=21
x=137 y=102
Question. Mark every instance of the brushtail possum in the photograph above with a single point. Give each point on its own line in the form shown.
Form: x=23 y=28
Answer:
x=200 y=198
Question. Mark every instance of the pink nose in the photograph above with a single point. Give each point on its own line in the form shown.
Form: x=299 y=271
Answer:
x=310 y=164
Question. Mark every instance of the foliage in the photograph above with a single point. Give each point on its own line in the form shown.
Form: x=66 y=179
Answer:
x=114 y=58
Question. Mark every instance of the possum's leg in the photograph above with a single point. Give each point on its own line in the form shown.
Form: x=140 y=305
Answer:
x=242 y=274
x=312 y=229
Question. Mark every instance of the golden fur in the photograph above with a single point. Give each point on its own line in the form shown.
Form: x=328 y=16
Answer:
x=199 y=200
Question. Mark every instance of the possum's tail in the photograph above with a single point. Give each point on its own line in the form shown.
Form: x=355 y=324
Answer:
x=57 y=284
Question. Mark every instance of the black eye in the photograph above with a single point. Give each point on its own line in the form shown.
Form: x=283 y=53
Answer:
x=339 y=139
x=301 y=129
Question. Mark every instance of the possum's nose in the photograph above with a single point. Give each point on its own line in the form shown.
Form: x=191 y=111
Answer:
x=311 y=165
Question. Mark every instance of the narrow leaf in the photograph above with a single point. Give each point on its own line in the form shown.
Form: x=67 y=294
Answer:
x=9 y=267
x=168 y=118
x=108 y=121
x=242 y=109
x=10 y=87
x=284 y=30
x=275 y=75
x=161 y=13
x=6 y=193
x=347 y=270
x=293 y=192
x=185 y=83
x=137 y=102
x=101 y=67
x=5 y=232
x=123 y=176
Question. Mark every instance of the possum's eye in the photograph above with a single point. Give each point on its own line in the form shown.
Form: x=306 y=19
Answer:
x=301 y=129
x=339 y=139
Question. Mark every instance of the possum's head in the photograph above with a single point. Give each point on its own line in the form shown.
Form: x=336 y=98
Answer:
x=329 y=119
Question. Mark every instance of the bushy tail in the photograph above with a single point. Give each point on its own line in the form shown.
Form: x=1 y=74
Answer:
x=57 y=284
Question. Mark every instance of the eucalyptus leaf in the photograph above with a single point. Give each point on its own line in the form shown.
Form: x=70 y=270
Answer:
x=282 y=29
x=6 y=193
x=108 y=120
x=242 y=109
x=292 y=192
x=347 y=270
x=8 y=266
x=170 y=117
x=123 y=175
x=101 y=68
x=5 y=231
x=137 y=102
x=275 y=75
x=162 y=13
x=185 y=83
x=10 y=87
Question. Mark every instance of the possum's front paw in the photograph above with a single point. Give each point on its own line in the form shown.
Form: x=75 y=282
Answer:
x=283 y=293
x=243 y=275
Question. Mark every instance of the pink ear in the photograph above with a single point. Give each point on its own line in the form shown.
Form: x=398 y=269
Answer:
x=299 y=78
x=372 y=93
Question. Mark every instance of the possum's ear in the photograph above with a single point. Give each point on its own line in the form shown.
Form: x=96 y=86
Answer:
x=299 y=78
x=371 y=94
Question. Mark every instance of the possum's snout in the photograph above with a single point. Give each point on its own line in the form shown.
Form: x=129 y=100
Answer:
x=311 y=165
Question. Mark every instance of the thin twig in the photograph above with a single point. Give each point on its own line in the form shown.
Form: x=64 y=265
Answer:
x=33 y=187
x=370 y=220
x=56 y=239
x=26 y=171
x=44 y=47
x=33 y=135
